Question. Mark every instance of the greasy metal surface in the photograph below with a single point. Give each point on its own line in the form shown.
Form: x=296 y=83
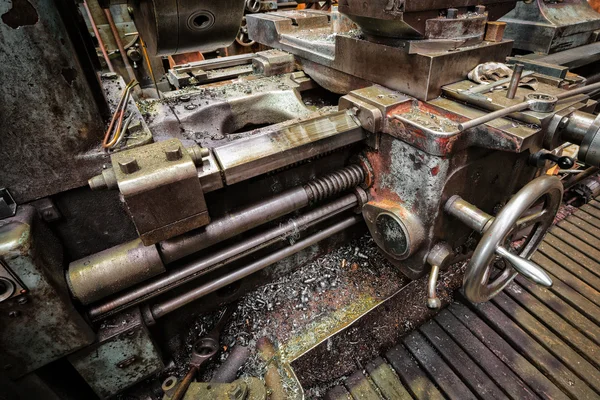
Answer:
x=214 y=114
x=529 y=342
x=408 y=19
x=258 y=154
x=309 y=35
x=548 y=27
x=102 y=274
x=173 y=27
x=162 y=192
x=123 y=354
x=46 y=103
x=41 y=324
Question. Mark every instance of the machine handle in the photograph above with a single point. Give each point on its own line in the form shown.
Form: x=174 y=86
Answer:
x=528 y=269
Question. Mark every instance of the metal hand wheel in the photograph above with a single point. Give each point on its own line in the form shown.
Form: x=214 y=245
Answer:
x=533 y=207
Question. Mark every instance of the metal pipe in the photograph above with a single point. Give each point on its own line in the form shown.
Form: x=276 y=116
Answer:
x=197 y=268
x=117 y=36
x=161 y=309
x=98 y=37
x=515 y=80
x=261 y=213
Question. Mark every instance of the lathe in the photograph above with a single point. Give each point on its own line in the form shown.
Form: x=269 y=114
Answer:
x=362 y=166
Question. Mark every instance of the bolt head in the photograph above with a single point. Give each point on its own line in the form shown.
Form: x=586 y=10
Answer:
x=129 y=165
x=14 y=314
x=174 y=153
x=22 y=300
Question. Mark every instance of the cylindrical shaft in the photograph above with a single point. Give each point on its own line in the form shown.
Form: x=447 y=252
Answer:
x=194 y=269
x=167 y=306
x=578 y=91
x=467 y=213
x=257 y=214
x=515 y=81
x=492 y=116
x=98 y=37
x=117 y=36
x=577 y=127
x=227 y=372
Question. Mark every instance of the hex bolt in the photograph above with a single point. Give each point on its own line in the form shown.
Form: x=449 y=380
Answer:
x=14 y=314
x=173 y=152
x=237 y=392
x=22 y=300
x=452 y=13
x=480 y=9
x=129 y=165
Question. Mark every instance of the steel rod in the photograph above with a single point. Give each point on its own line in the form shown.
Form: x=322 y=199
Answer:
x=117 y=36
x=515 y=80
x=161 y=309
x=194 y=269
x=493 y=115
x=257 y=214
x=98 y=37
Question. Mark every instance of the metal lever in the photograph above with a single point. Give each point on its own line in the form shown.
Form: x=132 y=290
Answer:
x=528 y=269
x=433 y=301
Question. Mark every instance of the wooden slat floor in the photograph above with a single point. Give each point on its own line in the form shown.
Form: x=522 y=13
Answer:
x=527 y=343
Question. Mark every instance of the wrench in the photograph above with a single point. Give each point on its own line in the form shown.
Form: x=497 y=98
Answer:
x=203 y=350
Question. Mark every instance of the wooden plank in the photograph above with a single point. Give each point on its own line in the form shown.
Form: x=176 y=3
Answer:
x=579 y=244
x=413 y=378
x=591 y=210
x=507 y=368
x=562 y=308
x=590 y=219
x=386 y=380
x=595 y=203
x=541 y=358
x=448 y=382
x=579 y=233
x=460 y=362
x=566 y=277
x=573 y=267
x=586 y=226
x=569 y=251
x=554 y=343
x=360 y=387
x=338 y=393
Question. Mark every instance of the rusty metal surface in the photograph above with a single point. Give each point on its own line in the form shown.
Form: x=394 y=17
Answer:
x=529 y=342
x=50 y=119
x=39 y=325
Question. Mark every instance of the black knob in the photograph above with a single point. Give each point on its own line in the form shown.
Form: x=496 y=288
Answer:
x=538 y=159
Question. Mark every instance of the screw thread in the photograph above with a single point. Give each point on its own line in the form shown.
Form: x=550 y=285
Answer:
x=334 y=183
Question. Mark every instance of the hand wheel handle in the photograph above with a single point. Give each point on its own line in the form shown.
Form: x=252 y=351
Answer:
x=496 y=231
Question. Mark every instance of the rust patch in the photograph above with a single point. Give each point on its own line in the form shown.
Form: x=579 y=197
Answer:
x=21 y=13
